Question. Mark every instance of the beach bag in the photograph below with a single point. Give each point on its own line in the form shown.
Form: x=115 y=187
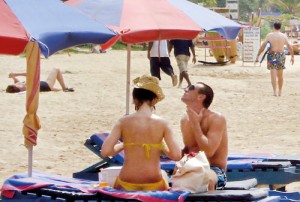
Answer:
x=191 y=173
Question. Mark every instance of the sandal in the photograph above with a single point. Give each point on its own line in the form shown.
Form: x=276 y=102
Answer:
x=69 y=90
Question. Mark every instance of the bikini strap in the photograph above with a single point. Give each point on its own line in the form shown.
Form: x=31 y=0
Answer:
x=147 y=147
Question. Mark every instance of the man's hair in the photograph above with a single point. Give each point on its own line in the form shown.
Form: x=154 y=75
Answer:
x=277 y=25
x=143 y=95
x=208 y=91
x=12 y=89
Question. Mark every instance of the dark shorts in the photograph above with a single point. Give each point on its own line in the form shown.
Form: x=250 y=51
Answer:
x=221 y=175
x=163 y=63
x=44 y=87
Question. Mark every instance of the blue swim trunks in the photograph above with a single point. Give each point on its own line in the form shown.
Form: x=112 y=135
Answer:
x=222 y=178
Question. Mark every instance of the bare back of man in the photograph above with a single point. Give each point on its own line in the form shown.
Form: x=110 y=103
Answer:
x=278 y=40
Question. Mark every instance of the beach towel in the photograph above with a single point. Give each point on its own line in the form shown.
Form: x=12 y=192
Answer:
x=21 y=182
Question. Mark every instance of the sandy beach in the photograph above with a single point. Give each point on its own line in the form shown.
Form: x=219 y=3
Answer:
x=257 y=121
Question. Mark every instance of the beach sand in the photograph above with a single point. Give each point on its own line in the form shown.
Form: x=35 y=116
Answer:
x=257 y=121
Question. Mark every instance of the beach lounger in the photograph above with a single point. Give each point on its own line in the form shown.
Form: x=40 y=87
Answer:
x=94 y=143
x=267 y=168
x=49 y=187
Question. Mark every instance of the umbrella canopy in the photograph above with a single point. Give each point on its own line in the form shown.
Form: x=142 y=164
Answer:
x=144 y=20
x=49 y=22
x=149 y=20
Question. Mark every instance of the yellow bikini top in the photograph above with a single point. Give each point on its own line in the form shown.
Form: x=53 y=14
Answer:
x=147 y=147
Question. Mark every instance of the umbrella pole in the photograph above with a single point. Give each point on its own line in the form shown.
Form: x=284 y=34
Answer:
x=128 y=78
x=31 y=121
x=30 y=160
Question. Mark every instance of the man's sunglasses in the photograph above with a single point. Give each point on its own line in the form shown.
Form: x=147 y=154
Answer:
x=190 y=88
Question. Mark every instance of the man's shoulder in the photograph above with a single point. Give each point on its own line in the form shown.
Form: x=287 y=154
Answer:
x=214 y=115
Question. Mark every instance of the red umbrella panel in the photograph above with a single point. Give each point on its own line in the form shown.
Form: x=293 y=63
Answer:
x=13 y=36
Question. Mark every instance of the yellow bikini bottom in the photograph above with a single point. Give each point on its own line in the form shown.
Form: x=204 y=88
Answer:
x=122 y=185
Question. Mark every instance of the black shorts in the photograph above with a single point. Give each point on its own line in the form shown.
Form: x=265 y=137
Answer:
x=163 y=63
x=44 y=87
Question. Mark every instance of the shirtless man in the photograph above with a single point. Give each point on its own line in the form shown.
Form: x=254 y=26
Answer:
x=276 y=56
x=205 y=130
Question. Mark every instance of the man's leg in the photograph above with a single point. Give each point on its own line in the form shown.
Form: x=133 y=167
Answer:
x=182 y=62
x=186 y=77
x=273 y=81
x=54 y=75
x=185 y=70
x=213 y=180
x=154 y=67
x=180 y=79
x=166 y=66
x=280 y=80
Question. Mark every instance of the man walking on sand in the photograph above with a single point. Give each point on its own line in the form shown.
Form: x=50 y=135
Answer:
x=182 y=54
x=205 y=130
x=158 y=54
x=276 y=56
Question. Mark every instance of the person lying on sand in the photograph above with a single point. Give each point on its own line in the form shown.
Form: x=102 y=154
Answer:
x=45 y=86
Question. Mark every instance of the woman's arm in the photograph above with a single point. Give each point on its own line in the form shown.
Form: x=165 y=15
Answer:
x=14 y=75
x=172 y=149
x=111 y=146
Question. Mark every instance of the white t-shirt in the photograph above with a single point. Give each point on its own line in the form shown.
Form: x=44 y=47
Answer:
x=162 y=51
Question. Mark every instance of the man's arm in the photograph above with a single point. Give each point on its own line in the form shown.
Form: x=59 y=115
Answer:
x=170 y=46
x=150 y=44
x=262 y=47
x=194 y=54
x=209 y=142
x=291 y=50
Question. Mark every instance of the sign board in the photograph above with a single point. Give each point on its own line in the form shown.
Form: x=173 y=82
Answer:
x=234 y=15
x=233 y=6
x=251 y=43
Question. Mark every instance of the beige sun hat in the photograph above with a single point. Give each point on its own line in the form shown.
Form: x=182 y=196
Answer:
x=150 y=83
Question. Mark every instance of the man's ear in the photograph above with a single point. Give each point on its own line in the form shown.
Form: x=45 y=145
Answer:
x=201 y=97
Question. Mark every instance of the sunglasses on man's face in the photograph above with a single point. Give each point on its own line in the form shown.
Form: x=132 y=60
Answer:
x=191 y=88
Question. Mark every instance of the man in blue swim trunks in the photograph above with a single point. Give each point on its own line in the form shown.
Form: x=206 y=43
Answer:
x=276 y=56
x=205 y=130
x=45 y=86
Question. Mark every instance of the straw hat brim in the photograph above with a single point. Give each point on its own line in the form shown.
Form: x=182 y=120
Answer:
x=149 y=83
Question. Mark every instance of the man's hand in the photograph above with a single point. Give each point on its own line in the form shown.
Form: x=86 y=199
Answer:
x=194 y=116
x=292 y=60
x=194 y=59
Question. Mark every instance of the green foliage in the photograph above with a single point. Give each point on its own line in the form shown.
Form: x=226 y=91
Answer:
x=291 y=7
x=246 y=7
x=135 y=47
x=206 y=3
x=266 y=27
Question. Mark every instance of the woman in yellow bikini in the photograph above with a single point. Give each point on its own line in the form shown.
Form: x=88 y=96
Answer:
x=145 y=136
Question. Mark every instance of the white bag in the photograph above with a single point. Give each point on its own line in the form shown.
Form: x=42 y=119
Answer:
x=192 y=173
